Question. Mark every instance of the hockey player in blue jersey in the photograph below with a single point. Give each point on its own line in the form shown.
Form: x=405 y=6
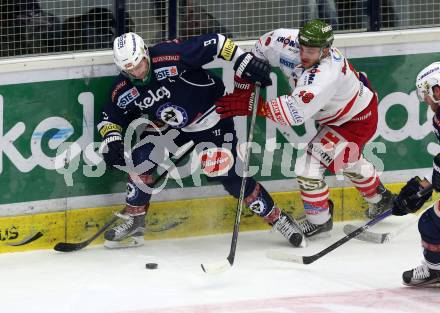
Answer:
x=167 y=83
x=428 y=273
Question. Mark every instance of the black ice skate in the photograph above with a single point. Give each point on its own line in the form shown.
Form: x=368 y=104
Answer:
x=422 y=276
x=318 y=231
x=287 y=226
x=385 y=203
x=129 y=233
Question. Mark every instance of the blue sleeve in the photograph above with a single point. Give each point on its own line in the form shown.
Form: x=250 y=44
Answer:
x=200 y=50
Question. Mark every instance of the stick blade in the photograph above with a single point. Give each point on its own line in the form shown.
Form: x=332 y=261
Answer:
x=216 y=267
x=285 y=257
x=367 y=236
x=68 y=247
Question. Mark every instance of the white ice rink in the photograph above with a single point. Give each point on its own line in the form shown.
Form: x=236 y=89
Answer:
x=357 y=277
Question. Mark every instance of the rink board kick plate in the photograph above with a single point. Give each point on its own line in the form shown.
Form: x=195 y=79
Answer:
x=171 y=219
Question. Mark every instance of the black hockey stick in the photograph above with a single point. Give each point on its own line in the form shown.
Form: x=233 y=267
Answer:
x=222 y=266
x=69 y=247
x=280 y=256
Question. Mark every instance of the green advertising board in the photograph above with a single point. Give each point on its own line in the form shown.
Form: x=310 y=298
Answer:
x=36 y=117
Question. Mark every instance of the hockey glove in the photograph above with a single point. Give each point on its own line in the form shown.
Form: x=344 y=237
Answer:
x=112 y=149
x=436 y=173
x=403 y=204
x=238 y=103
x=254 y=69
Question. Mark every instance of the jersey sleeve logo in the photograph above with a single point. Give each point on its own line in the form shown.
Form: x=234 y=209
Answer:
x=228 y=50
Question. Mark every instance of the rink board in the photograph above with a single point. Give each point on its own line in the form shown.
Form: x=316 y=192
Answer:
x=171 y=219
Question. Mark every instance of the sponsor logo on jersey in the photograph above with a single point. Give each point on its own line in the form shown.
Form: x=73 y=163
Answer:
x=297 y=118
x=117 y=88
x=287 y=62
x=153 y=97
x=311 y=74
x=164 y=72
x=228 y=50
x=165 y=58
x=286 y=41
x=216 y=161
x=173 y=115
x=127 y=97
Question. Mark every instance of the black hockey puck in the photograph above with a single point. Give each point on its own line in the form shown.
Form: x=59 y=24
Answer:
x=151 y=266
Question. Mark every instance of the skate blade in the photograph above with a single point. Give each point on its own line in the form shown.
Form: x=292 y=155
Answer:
x=125 y=243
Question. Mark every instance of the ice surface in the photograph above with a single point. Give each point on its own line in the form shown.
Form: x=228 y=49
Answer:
x=357 y=277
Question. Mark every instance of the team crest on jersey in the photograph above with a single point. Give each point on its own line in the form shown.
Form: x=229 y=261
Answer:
x=164 y=72
x=173 y=115
x=216 y=161
x=127 y=97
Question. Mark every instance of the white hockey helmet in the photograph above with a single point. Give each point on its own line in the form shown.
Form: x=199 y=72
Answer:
x=128 y=51
x=426 y=79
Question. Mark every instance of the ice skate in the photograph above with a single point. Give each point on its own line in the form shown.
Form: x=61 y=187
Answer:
x=314 y=231
x=130 y=233
x=287 y=226
x=385 y=203
x=422 y=276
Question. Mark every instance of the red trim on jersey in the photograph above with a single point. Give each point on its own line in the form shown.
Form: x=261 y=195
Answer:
x=341 y=113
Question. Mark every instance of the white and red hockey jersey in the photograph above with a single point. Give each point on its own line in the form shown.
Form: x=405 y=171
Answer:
x=330 y=92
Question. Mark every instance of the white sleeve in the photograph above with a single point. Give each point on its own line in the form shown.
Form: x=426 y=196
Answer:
x=304 y=102
x=260 y=49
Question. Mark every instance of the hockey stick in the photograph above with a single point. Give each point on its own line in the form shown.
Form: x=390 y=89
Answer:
x=69 y=247
x=280 y=256
x=222 y=266
x=379 y=238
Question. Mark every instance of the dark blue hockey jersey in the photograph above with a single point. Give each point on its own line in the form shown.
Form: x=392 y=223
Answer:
x=178 y=92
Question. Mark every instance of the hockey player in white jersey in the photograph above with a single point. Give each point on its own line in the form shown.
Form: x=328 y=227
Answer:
x=325 y=88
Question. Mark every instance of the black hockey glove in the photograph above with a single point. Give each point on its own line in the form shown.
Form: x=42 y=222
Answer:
x=436 y=173
x=254 y=69
x=112 y=150
x=403 y=204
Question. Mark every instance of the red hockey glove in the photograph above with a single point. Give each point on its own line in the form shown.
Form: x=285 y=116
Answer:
x=238 y=103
